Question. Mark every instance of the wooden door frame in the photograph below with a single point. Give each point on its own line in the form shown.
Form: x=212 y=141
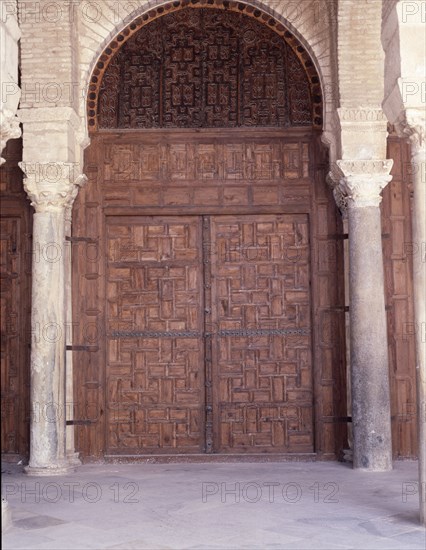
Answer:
x=326 y=249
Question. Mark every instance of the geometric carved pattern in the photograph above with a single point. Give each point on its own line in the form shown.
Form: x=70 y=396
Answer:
x=260 y=273
x=16 y=254
x=155 y=395
x=10 y=342
x=181 y=159
x=258 y=327
x=205 y=68
x=399 y=251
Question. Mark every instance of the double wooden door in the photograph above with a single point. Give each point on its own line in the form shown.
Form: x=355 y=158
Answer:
x=208 y=334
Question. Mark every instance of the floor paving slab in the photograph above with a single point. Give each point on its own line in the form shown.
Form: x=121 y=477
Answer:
x=215 y=506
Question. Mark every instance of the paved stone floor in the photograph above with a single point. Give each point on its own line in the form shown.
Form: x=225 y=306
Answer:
x=215 y=506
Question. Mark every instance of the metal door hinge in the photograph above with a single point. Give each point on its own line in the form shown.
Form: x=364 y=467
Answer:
x=81 y=239
x=79 y=422
x=82 y=348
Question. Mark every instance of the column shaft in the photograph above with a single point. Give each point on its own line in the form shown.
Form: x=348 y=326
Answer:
x=47 y=441
x=369 y=353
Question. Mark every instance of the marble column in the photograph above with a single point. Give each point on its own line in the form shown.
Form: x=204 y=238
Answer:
x=361 y=183
x=50 y=199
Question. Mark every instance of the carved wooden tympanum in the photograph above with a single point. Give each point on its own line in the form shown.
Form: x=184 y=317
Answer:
x=204 y=68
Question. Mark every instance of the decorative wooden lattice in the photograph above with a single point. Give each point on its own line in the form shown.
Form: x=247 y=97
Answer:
x=204 y=68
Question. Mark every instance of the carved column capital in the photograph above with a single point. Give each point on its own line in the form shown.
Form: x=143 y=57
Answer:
x=333 y=180
x=360 y=182
x=52 y=186
x=414 y=127
x=411 y=123
x=9 y=129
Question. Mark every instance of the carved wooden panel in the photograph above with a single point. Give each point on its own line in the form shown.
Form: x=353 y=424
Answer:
x=88 y=295
x=236 y=171
x=399 y=250
x=154 y=335
x=10 y=274
x=262 y=367
x=158 y=329
x=328 y=314
x=204 y=68
x=216 y=159
x=15 y=283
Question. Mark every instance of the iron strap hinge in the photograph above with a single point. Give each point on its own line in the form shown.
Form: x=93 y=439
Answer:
x=81 y=240
x=338 y=419
x=339 y=236
x=266 y=332
x=79 y=422
x=220 y=333
x=156 y=334
x=82 y=348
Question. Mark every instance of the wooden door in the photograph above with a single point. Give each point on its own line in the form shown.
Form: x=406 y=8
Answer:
x=155 y=349
x=208 y=324
x=261 y=342
x=209 y=179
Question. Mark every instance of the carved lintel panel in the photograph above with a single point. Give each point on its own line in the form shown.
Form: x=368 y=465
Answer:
x=181 y=160
x=204 y=68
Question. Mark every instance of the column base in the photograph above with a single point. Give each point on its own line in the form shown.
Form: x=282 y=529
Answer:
x=373 y=470
x=54 y=470
x=374 y=464
x=74 y=459
x=6 y=515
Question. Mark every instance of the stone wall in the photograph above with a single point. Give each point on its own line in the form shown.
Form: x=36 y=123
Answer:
x=404 y=43
x=10 y=92
x=360 y=59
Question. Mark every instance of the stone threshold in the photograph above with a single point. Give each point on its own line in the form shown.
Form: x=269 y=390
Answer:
x=208 y=458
